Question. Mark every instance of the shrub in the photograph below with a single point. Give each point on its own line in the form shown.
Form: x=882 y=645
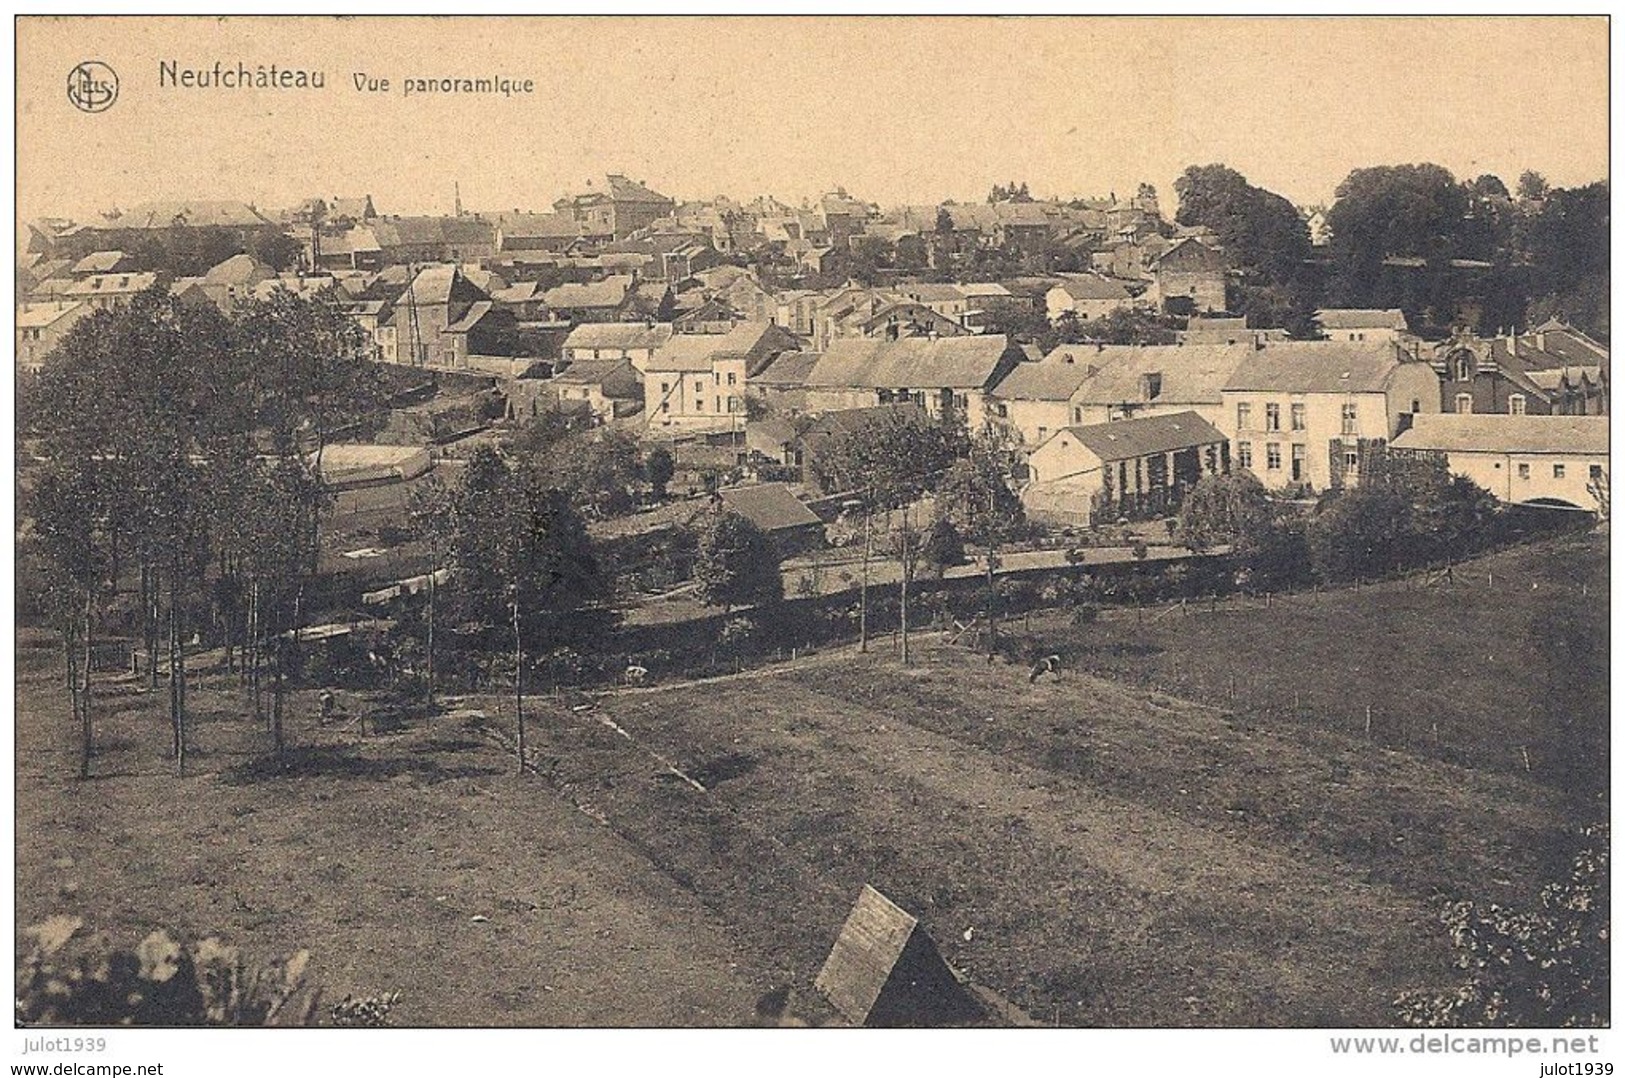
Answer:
x=65 y=978
x=943 y=547
x=1085 y=614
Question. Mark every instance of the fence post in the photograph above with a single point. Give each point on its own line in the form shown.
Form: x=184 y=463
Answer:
x=1368 y=720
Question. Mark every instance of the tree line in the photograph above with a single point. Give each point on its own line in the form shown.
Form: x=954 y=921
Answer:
x=178 y=483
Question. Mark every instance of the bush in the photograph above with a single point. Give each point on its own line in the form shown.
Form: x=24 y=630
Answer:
x=65 y=978
x=1085 y=614
x=943 y=547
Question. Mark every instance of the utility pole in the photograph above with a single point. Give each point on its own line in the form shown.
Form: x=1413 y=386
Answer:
x=863 y=592
x=903 y=605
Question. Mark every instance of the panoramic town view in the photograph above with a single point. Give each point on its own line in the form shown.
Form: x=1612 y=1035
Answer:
x=1179 y=603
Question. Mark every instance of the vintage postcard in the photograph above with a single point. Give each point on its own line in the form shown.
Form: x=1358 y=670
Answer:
x=815 y=522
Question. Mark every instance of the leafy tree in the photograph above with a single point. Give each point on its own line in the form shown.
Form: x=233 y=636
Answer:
x=1358 y=533
x=736 y=564
x=1532 y=186
x=1260 y=230
x=598 y=471
x=1127 y=325
x=945 y=220
x=892 y=457
x=659 y=467
x=976 y=498
x=1218 y=509
x=942 y=547
x=1540 y=969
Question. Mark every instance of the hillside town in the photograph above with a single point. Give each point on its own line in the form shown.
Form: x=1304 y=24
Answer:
x=737 y=525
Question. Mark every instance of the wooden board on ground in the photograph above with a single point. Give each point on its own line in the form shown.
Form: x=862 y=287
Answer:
x=884 y=970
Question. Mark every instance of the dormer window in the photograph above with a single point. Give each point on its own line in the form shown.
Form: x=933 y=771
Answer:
x=1151 y=385
x=1464 y=367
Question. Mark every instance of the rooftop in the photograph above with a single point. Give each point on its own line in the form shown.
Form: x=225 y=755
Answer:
x=1585 y=435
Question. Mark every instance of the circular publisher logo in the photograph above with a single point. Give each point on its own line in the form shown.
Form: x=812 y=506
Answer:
x=92 y=86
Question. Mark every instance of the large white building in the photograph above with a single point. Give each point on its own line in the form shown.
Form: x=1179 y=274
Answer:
x=1521 y=459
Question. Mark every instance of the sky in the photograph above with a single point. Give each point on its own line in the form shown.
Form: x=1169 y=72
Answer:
x=893 y=109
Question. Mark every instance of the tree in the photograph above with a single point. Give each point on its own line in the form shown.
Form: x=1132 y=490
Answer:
x=429 y=512
x=736 y=564
x=1546 y=969
x=1532 y=186
x=1218 y=508
x=659 y=467
x=1259 y=229
x=942 y=547
x=1125 y=325
x=975 y=496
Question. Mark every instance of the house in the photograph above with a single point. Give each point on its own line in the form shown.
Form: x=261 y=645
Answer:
x=1553 y=370
x=234 y=280
x=597 y=301
x=947 y=376
x=407 y=240
x=946 y=299
x=102 y=262
x=610 y=387
x=40 y=327
x=844 y=422
x=198 y=224
x=1559 y=460
x=372 y=315
x=1139 y=380
x=353 y=248
x=1188 y=278
x=711 y=316
x=1220 y=330
x=910 y=318
x=434 y=300
x=635 y=342
x=983 y=300
x=482 y=337
x=1357 y=324
x=697 y=381
x=782 y=517
x=109 y=291
x=615 y=207
x=775 y=440
x=782 y=384
x=1309 y=413
x=667 y=256
x=1134 y=467
x=525 y=233
x=524 y=299
x=1087 y=295
x=1034 y=400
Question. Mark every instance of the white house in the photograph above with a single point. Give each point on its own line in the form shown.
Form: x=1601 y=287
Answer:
x=635 y=341
x=1310 y=412
x=1359 y=324
x=1088 y=295
x=697 y=381
x=1521 y=459
x=944 y=375
x=1131 y=467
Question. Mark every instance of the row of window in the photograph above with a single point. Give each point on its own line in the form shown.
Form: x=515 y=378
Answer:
x=1299 y=417
x=1272 y=457
x=1559 y=471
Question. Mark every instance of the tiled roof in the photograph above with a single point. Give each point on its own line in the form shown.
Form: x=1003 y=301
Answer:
x=618 y=335
x=770 y=506
x=196 y=214
x=914 y=362
x=1130 y=438
x=1361 y=318
x=99 y=262
x=1574 y=434
x=1317 y=367
x=1043 y=381
x=609 y=292
x=1191 y=373
x=697 y=351
x=1092 y=286
x=788 y=370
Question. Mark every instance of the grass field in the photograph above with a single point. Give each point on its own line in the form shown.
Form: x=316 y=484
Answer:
x=1095 y=851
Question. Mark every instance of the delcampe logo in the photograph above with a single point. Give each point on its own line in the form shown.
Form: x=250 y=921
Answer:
x=92 y=86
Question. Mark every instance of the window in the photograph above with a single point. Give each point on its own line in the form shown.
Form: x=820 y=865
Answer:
x=719 y=404
x=1557 y=471
x=1299 y=420
x=1351 y=461
x=665 y=407
x=1464 y=368
x=1244 y=454
x=1596 y=473
x=731 y=378
x=1351 y=418
x=699 y=404
x=1244 y=416
x=1077 y=415
x=1523 y=471
x=1299 y=455
x=1464 y=403
x=1272 y=456
x=1416 y=405
x=1517 y=403
x=1043 y=432
x=1151 y=385
x=1272 y=417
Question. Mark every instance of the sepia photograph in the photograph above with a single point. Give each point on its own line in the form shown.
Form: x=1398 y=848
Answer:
x=819 y=523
